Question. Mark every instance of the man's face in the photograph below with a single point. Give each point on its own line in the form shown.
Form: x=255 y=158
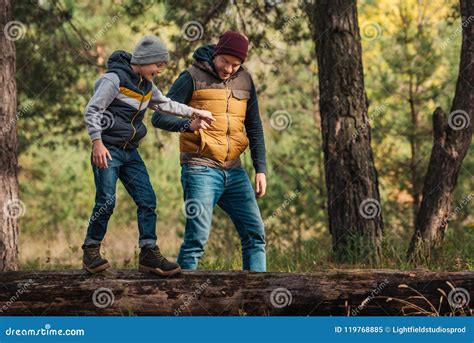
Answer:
x=227 y=65
x=149 y=71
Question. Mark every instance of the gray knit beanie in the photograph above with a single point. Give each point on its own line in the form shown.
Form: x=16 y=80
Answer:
x=150 y=49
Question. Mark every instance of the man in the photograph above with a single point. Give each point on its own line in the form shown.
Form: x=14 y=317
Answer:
x=209 y=152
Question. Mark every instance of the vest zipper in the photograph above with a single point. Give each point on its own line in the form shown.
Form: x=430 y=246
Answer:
x=133 y=118
x=228 y=122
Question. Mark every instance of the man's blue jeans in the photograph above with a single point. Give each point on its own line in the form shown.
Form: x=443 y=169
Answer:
x=128 y=166
x=204 y=187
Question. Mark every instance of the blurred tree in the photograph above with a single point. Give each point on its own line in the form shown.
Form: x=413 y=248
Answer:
x=415 y=44
x=413 y=63
x=10 y=205
x=390 y=62
x=355 y=218
x=452 y=138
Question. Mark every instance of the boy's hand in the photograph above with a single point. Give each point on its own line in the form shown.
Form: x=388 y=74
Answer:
x=200 y=123
x=203 y=114
x=100 y=154
x=260 y=184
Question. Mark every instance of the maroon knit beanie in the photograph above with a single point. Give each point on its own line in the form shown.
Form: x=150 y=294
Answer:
x=232 y=43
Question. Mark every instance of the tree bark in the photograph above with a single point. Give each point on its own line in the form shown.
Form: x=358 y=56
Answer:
x=452 y=138
x=10 y=206
x=128 y=292
x=355 y=218
x=414 y=147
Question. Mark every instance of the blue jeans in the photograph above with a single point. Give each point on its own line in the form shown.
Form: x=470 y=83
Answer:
x=128 y=166
x=204 y=187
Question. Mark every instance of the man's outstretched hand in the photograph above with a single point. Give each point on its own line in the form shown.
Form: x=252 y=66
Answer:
x=204 y=114
x=260 y=178
x=260 y=184
x=200 y=123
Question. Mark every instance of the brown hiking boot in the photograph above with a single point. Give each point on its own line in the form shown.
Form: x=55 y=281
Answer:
x=92 y=260
x=151 y=261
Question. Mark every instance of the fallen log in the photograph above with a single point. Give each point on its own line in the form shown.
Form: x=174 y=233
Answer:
x=334 y=292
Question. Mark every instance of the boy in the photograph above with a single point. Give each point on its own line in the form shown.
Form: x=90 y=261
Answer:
x=114 y=121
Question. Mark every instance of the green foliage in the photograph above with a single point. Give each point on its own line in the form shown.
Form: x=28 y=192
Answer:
x=64 y=51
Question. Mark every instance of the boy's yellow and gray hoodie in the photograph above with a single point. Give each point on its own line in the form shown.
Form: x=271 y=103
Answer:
x=121 y=97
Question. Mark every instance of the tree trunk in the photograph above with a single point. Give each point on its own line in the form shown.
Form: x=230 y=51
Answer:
x=128 y=292
x=414 y=148
x=10 y=206
x=452 y=138
x=355 y=219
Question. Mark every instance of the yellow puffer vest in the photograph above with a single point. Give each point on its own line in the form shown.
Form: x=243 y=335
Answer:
x=225 y=140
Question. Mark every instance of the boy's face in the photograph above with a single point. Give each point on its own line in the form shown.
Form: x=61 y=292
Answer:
x=226 y=65
x=149 y=71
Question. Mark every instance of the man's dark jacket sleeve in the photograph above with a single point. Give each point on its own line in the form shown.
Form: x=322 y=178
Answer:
x=254 y=129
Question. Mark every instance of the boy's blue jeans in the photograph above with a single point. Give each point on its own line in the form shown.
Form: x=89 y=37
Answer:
x=128 y=166
x=231 y=189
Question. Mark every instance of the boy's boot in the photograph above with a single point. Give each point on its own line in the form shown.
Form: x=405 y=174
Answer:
x=92 y=261
x=151 y=260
